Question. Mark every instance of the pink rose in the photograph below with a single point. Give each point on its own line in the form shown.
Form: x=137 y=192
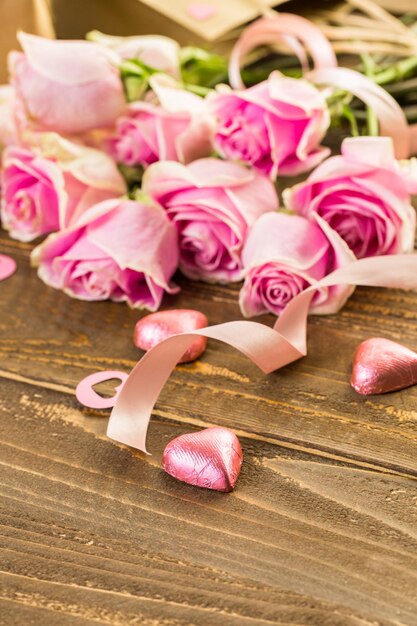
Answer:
x=363 y=195
x=150 y=133
x=283 y=255
x=47 y=187
x=175 y=126
x=120 y=250
x=161 y=53
x=213 y=204
x=33 y=189
x=66 y=86
x=276 y=126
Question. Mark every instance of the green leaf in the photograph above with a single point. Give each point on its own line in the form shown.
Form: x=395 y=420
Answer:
x=370 y=67
x=201 y=68
x=135 y=76
x=135 y=67
x=347 y=114
x=132 y=175
x=135 y=88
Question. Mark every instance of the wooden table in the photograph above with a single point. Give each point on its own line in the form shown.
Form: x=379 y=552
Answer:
x=320 y=530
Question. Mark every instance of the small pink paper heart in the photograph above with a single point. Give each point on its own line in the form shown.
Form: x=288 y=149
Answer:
x=210 y=458
x=381 y=365
x=86 y=395
x=7 y=266
x=201 y=10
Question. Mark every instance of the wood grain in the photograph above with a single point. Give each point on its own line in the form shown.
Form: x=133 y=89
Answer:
x=321 y=529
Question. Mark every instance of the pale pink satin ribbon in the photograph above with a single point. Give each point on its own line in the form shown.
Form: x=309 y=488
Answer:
x=392 y=120
x=298 y=33
x=268 y=348
x=303 y=36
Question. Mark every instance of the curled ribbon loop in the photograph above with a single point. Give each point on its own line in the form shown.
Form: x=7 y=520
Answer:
x=268 y=348
x=7 y=266
x=88 y=397
x=392 y=120
x=298 y=33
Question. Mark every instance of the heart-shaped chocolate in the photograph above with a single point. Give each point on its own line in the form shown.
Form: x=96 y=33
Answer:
x=381 y=365
x=210 y=458
x=156 y=327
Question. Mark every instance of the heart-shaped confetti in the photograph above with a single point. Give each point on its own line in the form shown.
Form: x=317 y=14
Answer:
x=156 y=327
x=201 y=10
x=381 y=365
x=210 y=458
x=88 y=397
x=7 y=266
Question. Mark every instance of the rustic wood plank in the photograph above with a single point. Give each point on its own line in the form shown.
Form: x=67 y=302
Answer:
x=320 y=530
x=84 y=512
x=53 y=340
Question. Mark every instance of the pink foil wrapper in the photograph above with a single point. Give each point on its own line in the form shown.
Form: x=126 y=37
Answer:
x=381 y=365
x=211 y=458
x=154 y=328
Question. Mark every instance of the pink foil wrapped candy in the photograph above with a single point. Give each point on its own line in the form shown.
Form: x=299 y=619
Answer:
x=275 y=126
x=66 y=86
x=120 y=250
x=213 y=204
x=284 y=255
x=211 y=458
x=381 y=365
x=48 y=186
x=363 y=195
x=154 y=328
x=269 y=348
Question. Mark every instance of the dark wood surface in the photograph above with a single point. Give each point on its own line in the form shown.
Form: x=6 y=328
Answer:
x=320 y=530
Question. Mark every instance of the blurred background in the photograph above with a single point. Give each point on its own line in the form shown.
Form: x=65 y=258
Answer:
x=212 y=24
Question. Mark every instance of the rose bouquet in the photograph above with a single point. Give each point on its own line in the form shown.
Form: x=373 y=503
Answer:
x=135 y=164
